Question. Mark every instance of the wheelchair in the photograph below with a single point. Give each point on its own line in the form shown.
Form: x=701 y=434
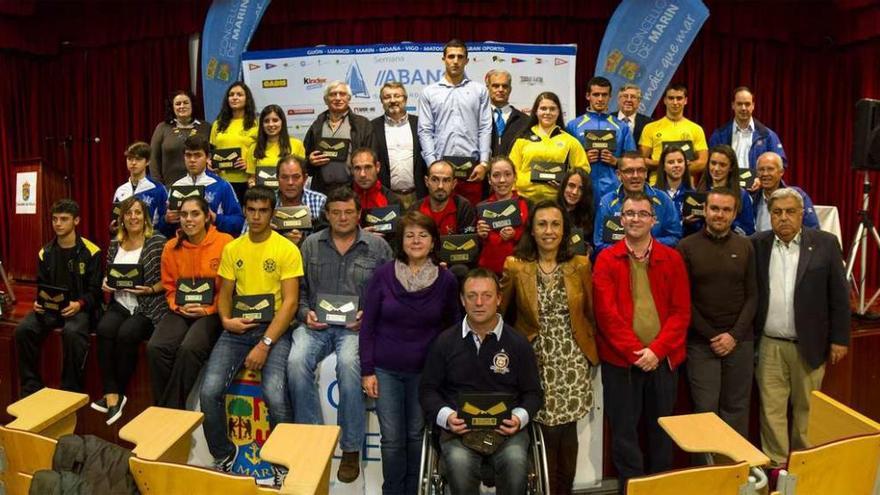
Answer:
x=432 y=479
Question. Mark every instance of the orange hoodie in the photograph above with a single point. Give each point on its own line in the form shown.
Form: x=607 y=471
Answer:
x=193 y=261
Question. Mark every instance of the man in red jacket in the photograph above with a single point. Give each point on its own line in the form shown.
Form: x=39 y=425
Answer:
x=642 y=304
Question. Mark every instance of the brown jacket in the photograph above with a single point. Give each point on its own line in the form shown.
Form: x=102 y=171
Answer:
x=519 y=286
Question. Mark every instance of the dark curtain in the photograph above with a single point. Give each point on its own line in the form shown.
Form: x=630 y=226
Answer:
x=102 y=70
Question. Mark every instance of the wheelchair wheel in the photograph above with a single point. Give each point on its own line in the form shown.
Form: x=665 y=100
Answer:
x=538 y=484
x=430 y=480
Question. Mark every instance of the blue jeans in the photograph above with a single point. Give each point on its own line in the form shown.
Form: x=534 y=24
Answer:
x=400 y=424
x=225 y=361
x=308 y=349
x=510 y=463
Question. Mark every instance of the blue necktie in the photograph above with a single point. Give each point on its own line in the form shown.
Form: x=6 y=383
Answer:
x=499 y=121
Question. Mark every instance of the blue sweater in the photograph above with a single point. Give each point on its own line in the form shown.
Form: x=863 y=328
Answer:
x=398 y=326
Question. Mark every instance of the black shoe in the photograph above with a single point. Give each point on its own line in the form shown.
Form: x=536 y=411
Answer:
x=100 y=405
x=115 y=412
x=279 y=473
x=225 y=465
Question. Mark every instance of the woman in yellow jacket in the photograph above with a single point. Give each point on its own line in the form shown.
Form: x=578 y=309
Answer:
x=236 y=127
x=545 y=140
x=273 y=142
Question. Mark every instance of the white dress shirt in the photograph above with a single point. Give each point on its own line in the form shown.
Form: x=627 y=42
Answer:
x=742 y=142
x=782 y=278
x=399 y=142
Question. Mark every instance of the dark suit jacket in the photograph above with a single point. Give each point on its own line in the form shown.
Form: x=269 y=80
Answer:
x=419 y=168
x=641 y=122
x=821 y=294
x=516 y=123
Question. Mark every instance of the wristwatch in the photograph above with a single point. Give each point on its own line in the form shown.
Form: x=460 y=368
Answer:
x=267 y=340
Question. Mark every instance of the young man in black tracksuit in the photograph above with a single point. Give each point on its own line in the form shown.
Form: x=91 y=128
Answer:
x=73 y=263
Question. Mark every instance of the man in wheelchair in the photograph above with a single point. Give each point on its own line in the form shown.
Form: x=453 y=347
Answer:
x=480 y=385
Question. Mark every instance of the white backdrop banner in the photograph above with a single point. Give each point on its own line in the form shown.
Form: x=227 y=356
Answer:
x=295 y=78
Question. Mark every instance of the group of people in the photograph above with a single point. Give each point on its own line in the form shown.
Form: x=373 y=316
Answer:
x=589 y=269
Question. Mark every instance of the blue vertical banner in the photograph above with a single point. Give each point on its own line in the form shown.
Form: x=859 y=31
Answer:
x=229 y=26
x=644 y=43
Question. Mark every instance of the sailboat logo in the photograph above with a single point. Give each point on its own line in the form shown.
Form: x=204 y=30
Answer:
x=356 y=82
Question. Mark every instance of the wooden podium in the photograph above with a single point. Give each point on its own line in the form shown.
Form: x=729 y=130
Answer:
x=30 y=231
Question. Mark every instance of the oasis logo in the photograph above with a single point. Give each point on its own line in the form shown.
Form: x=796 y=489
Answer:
x=314 y=82
x=275 y=83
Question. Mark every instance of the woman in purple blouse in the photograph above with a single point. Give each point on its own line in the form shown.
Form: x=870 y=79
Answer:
x=408 y=302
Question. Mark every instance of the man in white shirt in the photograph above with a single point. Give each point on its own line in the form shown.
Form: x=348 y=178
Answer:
x=397 y=145
x=802 y=320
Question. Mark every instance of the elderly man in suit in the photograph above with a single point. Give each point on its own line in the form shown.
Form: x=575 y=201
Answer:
x=396 y=137
x=802 y=320
x=629 y=96
x=507 y=122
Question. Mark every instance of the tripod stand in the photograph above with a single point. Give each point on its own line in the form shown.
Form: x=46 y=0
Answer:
x=860 y=243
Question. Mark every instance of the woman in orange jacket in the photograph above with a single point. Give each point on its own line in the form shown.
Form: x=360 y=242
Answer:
x=184 y=337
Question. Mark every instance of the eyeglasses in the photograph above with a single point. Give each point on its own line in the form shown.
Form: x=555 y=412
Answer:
x=633 y=171
x=643 y=214
x=630 y=97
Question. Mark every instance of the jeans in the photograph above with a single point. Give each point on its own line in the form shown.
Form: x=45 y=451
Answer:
x=400 y=424
x=629 y=392
x=225 y=361
x=510 y=462
x=308 y=349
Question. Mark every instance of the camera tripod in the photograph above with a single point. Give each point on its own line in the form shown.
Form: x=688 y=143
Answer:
x=860 y=244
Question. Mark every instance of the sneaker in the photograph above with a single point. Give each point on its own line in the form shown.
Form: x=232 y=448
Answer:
x=115 y=412
x=350 y=467
x=100 y=405
x=225 y=465
x=279 y=473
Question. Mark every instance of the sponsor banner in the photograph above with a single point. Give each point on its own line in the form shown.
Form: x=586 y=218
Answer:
x=229 y=26
x=644 y=43
x=306 y=71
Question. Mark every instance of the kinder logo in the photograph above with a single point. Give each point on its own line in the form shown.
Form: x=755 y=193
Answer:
x=275 y=83
x=559 y=61
x=314 y=82
x=300 y=111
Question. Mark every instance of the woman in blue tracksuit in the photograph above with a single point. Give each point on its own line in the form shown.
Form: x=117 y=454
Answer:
x=722 y=171
x=673 y=178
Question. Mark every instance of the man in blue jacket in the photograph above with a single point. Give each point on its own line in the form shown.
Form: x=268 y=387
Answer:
x=633 y=174
x=225 y=211
x=597 y=118
x=770 y=170
x=746 y=135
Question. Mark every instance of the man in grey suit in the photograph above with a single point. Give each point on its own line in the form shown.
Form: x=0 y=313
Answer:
x=629 y=96
x=508 y=123
x=803 y=319
x=397 y=146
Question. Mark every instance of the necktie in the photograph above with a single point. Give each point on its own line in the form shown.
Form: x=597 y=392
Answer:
x=499 y=121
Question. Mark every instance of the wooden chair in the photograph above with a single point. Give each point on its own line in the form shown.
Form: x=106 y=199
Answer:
x=727 y=479
x=162 y=440
x=844 y=457
x=29 y=440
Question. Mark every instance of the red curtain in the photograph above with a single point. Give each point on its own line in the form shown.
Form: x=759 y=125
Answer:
x=101 y=70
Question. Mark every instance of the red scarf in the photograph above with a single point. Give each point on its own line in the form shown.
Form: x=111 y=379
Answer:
x=372 y=197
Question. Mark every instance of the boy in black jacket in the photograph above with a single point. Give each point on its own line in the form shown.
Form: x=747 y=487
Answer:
x=73 y=263
x=482 y=354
